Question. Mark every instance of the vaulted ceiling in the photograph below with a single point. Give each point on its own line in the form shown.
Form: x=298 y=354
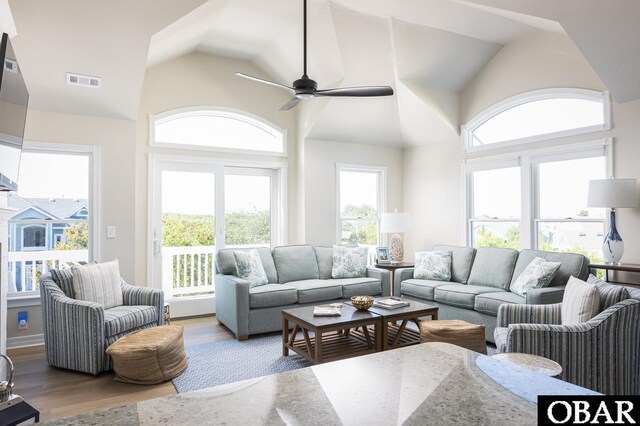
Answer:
x=427 y=50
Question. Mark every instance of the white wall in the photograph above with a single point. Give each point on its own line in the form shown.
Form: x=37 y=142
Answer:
x=321 y=158
x=432 y=174
x=200 y=79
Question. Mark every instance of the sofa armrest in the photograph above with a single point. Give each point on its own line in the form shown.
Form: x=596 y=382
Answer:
x=138 y=295
x=509 y=313
x=73 y=330
x=232 y=303
x=384 y=276
x=537 y=338
x=399 y=276
x=545 y=295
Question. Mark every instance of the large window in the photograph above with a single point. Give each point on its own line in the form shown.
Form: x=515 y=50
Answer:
x=217 y=129
x=360 y=204
x=53 y=221
x=535 y=197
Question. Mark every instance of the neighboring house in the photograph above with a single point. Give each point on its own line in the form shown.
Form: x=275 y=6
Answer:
x=39 y=225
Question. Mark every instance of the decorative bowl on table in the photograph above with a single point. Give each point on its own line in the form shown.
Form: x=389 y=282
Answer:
x=362 y=303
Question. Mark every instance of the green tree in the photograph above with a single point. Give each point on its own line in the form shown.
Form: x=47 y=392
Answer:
x=486 y=238
x=247 y=227
x=184 y=230
x=76 y=237
x=360 y=231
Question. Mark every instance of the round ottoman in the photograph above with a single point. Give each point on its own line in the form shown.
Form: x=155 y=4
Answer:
x=456 y=332
x=149 y=356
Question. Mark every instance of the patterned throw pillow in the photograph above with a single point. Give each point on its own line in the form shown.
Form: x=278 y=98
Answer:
x=433 y=265
x=249 y=266
x=580 y=302
x=349 y=262
x=99 y=283
x=610 y=294
x=537 y=274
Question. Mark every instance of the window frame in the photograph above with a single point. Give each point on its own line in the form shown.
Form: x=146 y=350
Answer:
x=532 y=96
x=254 y=120
x=34 y=247
x=382 y=197
x=93 y=152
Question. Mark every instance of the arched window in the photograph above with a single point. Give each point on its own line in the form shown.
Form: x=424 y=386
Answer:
x=539 y=115
x=535 y=195
x=217 y=129
x=34 y=237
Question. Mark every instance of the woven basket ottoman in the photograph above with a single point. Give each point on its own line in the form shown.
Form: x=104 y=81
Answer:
x=149 y=356
x=456 y=332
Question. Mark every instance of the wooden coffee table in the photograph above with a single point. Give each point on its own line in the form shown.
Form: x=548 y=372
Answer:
x=395 y=333
x=324 y=339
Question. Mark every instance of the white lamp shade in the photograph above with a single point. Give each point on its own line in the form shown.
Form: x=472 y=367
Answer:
x=395 y=222
x=613 y=193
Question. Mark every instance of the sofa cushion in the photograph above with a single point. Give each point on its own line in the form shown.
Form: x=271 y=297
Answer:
x=324 y=257
x=249 y=267
x=123 y=318
x=226 y=263
x=295 y=263
x=359 y=286
x=461 y=261
x=580 y=302
x=349 y=262
x=571 y=264
x=609 y=294
x=461 y=295
x=433 y=265
x=422 y=289
x=99 y=283
x=537 y=274
x=312 y=291
x=493 y=267
x=488 y=303
x=266 y=296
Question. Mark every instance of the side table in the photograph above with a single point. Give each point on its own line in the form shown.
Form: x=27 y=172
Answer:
x=623 y=267
x=391 y=267
x=531 y=362
x=18 y=413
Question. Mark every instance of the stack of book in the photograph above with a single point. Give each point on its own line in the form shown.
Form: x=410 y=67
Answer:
x=390 y=303
x=326 y=311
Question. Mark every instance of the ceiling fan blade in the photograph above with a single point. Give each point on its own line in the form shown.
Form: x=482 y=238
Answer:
x=260 y=80
x=293 y=102
x=356 y=91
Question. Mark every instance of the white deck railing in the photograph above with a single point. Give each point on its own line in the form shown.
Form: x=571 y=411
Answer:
x=25 y=267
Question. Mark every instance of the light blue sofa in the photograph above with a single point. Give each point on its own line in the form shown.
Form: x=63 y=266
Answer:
x=298 y=276
x=480 y=280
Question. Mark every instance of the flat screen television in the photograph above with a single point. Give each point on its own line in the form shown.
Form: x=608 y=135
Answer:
x=13 y=114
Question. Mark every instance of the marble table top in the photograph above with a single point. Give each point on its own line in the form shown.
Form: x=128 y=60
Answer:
x=430 y=383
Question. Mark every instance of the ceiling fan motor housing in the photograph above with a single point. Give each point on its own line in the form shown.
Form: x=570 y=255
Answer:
x=305 y=85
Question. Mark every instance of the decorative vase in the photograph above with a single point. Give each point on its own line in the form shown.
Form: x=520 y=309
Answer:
x=612 y=247
x=396 y=251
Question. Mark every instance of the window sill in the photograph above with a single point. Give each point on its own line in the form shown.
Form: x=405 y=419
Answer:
x=23 y=300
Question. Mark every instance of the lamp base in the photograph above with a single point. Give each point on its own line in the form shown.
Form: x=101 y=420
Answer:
x=612 y=247
x=396 y=250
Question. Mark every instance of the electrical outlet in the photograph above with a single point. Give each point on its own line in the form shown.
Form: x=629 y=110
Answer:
x=23 y=319
x=111 y=231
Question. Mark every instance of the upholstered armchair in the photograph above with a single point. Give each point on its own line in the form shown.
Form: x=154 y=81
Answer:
x=602 y=354
x=77 y=332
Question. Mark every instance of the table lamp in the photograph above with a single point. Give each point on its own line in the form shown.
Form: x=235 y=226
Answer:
x=613 y=193
x=395 y=223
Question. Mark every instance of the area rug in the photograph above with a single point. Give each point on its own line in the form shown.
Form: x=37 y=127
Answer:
x=227 y=361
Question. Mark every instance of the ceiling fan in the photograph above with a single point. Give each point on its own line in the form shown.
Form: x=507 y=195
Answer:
x=305 y=88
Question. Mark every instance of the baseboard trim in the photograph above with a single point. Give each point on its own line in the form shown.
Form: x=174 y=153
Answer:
x=25 y=341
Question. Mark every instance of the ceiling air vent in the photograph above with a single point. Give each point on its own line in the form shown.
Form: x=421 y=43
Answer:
x=11 y=65
x=84 y=80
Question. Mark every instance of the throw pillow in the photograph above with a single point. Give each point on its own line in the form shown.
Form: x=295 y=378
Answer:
x=349 y=262
x=433 y=265
x=537 y=274
x=610 y=294
x=580 y=302
x=249 y=267
x=99 y=283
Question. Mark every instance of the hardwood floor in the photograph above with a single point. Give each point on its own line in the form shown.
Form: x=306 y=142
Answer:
x=60 y=393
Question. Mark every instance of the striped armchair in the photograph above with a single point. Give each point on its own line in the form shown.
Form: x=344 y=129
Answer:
x=77 y=332
x=602 y=354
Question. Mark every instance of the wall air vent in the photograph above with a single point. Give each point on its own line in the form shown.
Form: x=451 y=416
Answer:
x=84 y=80
x=11 y=65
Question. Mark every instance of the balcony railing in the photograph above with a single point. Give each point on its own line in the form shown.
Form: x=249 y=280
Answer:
x=26 y=267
